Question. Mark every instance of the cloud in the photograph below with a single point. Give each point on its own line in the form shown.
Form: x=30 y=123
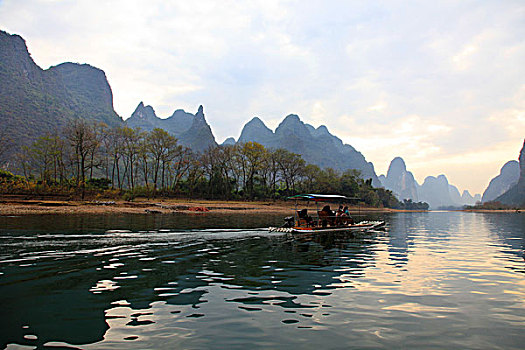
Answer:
x=418 y=80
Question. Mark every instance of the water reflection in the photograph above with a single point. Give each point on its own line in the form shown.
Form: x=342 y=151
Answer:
x=77 y=285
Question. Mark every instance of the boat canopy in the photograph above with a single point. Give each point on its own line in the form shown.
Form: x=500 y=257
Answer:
x=322 y=197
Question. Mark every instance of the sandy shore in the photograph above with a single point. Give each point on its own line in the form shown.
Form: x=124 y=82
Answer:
x=10 y=206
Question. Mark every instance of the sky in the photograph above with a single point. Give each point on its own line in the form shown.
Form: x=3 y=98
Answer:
x=439 y=83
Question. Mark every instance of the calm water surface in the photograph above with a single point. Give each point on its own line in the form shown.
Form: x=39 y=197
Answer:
x=431 y=280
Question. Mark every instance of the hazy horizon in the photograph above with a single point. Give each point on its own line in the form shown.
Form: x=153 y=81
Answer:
x=440 y=85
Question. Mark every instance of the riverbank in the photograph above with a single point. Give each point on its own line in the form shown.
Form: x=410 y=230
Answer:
x=20 y=206
x=495 y=210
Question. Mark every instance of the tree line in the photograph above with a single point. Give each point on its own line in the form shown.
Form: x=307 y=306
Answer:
x=88 y=158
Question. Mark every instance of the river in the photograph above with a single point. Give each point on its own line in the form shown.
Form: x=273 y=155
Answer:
x=431 y=280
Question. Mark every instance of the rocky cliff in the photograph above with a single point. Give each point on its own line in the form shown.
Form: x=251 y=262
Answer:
x=455 y=196
x=516 y=194
x=256 y=131
x=199 y=136
x=508 y=177
x=191 y=130
x=400 y=181
x=144 y=117
x=316 y=145
x=468 y=199
x=436 y=192
x=37 y=101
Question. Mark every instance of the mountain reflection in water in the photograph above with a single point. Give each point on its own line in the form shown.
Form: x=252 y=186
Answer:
x=432 y=280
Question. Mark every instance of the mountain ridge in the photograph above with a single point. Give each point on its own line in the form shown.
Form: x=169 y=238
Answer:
x=516 y=194
x=507 y=178
x=400 y=181
x=436 y=191
x=38 y=101
x=191 y=130
x=316 y=145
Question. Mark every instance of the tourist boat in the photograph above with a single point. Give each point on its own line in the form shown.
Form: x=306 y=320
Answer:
x=323 y=221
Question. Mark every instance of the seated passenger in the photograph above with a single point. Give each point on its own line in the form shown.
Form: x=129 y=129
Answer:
x=303 y=215
x=329 y=216
x=338 y=215
x=347 y=217
x=327 y=210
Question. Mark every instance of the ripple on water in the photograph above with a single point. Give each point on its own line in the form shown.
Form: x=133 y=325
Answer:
x=422 y=284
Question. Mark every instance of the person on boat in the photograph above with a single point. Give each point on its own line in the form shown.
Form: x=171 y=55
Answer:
x=339 y=215
x=328 y=216
x=347 y=217
x=303 y=215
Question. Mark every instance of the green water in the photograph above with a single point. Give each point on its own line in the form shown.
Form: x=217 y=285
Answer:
x=431 y=280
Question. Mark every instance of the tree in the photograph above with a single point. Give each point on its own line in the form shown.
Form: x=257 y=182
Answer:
x=349 y=182
x=45 y=155
x=83 y=141
x=291 y=166
x=211 y=162
x=231 y=169
x=252 y=156
x=98 y=131
x=310 y=179
x=181 y=164
x=144 y=155
x=328 y=181
x=114 y=145
x=161 y=146
x=130 y=150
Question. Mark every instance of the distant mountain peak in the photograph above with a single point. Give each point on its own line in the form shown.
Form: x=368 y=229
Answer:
x=467 y=198
x=442 y=178
x=323 y=128
x=400 y=181
x=317 y=146
x=509 y=166
x=256 y=121
x=199 y=116
x=143 y=112
x=508 y=177
x=396 y=168
x=58 y=95
x=322 y=131
x=291 y=119
x=398 y=161
x=255 y=130
x=178 y=111
x=516 y=194
x=199 y=136
x=191 y=130
x=292 y=126
x=230 y=141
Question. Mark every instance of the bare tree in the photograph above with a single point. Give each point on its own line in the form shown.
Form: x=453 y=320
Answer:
x=181 y=164
x=83 y=141
x=130 y=149
x=161 y=146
